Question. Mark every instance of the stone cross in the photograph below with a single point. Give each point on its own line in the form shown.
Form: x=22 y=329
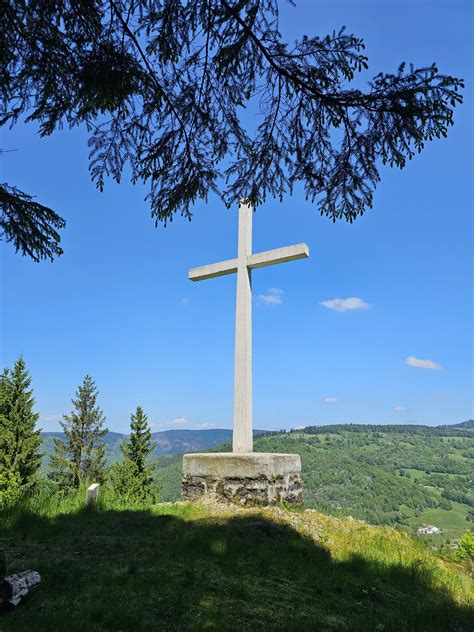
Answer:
x=243 y=265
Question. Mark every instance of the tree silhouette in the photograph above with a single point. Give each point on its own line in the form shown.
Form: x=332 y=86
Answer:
x=30 y=226
x=161 y=86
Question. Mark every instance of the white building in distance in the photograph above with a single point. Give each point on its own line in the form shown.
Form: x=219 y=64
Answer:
x=429 y=529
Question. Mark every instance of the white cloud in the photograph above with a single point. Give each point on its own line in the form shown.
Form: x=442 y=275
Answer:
x=180 y=421
x=177 y=422
x=274 y=296
x=346 y=304
x=205 y=425
x=423 y=364
x=330 y=400
x=399 y=408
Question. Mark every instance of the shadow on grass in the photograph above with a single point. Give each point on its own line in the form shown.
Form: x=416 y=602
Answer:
x=137 y=570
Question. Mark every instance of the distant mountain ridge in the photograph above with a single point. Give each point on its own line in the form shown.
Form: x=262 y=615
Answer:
x=179 y=441
x=467 y=425
x=464 y=428
x=165 y=442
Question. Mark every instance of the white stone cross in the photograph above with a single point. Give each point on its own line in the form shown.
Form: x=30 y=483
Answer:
x=243 y=265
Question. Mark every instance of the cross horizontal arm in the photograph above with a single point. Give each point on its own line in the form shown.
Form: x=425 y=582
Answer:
x=213 y=270
x=279 y=255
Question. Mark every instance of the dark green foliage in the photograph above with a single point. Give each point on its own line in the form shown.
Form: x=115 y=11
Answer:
x=80 y=457
x=466 y=425
x=132 y=478
x=20 y=439
x=464 y=429
x=162 y=86
x=460 y=496
x=31 y=227
x=445 y=504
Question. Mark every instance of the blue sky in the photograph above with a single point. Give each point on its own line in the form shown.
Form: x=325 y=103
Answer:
x=118 y=304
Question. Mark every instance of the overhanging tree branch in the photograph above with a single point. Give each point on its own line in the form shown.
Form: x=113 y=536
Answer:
x=172 y=80
x=31 y=227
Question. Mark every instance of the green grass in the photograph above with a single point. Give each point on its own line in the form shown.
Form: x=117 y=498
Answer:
x=196 y=567
x=415 y=474
x=456 y=456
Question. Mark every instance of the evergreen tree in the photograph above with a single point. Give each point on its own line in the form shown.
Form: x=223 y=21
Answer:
x=19 y=438
x=133 y=476
x=80 y=457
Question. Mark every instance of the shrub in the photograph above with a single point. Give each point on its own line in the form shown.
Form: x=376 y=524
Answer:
x=466 y=547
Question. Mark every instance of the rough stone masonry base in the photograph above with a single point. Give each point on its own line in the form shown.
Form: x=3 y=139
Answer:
x=243 y=478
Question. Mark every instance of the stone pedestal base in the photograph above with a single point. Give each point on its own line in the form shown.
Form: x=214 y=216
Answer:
x=243 y=478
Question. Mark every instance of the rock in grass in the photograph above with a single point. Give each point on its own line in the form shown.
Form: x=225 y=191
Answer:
x=15 y=587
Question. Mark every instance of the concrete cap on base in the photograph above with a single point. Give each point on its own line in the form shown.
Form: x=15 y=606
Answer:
x=240 y=464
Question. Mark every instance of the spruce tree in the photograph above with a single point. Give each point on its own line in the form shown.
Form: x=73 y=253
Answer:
x=80 y=457
x=133 y=476
x=20 y=439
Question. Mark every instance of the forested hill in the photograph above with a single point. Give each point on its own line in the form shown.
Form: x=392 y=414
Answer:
x=401 y=475
x=463 y=429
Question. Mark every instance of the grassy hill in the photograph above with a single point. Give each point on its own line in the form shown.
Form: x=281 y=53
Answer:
x=400 y=475
x=194 y=567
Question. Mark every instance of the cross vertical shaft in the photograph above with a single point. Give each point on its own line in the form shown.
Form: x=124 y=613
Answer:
x=243 y=265
x=242 y=440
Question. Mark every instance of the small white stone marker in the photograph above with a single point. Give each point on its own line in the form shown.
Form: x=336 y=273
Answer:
x=15 y=587
x=243 y=265
x=92 y=494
